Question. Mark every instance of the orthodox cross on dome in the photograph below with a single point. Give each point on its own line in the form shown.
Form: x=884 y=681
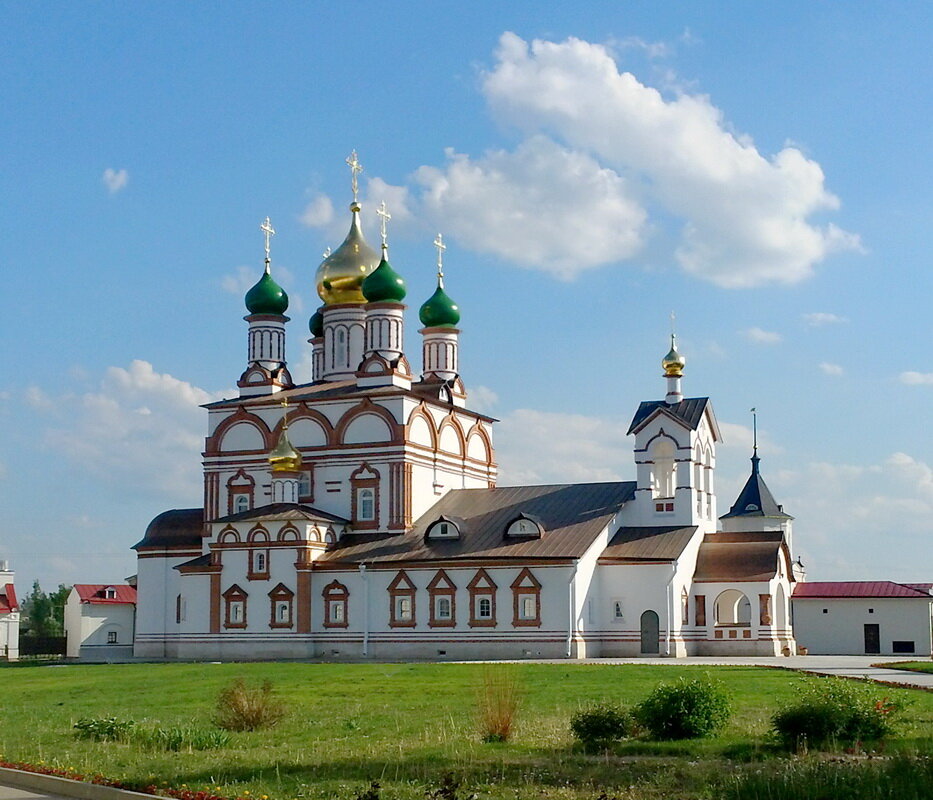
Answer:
x=269 y=232
x=441 y=247
x=384 y=217
x=355 y=169
x=284 y=405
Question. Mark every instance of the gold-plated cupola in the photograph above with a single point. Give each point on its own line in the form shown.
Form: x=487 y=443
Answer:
x=284 y=457
x=673 y=363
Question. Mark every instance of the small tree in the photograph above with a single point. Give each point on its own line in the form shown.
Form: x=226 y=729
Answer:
x=37 y=610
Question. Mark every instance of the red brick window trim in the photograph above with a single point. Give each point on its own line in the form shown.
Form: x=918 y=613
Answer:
x=526 y=600
x=364 y=484
x=258 y=554
x=442 y=597
x=281 y=607
x=335 y=605
x=402 y=602
x=482 y=591
x=240 y=493
x=235 y=607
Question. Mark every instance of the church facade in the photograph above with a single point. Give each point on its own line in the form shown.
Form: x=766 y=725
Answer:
x=359 y=516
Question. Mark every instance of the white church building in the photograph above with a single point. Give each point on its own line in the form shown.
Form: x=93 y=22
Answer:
x=358 y=516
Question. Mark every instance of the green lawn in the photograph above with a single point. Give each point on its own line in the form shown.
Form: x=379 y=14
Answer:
x=910 y=666
x=404 y=725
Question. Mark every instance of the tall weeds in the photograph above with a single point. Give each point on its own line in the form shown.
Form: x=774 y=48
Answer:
x=497 y=704
x=248 y=708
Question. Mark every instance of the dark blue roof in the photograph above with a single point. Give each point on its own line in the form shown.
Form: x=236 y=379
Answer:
x=755 y=499
x=689 y=411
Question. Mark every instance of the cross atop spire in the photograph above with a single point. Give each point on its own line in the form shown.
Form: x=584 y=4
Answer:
x=441 y=247
x=269 y=232
x=356 y=168
x=384 y=216
x=754 y=432
x=284 y=405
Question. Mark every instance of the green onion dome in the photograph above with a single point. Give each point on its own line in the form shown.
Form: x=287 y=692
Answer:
x=267 y=297
x=439 y=311
x=316 y=324
x=384 y=284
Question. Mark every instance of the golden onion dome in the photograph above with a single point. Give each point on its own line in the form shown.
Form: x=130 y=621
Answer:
x=673 y=363
x=340 y=277
x=284 y=457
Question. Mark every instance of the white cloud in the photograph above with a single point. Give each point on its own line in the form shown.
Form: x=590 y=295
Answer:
x=746 y=216
x=917 y=378
x=650 y=49
x=834 y=370
x=482 y=399
x=539 y=206
x=741 y=438
x=759 y=336
x=115 y=179
x=142 y=429
x=38 y=399
x=240 y=281
x=548 y=447
x=818 y=318
x=319 y=213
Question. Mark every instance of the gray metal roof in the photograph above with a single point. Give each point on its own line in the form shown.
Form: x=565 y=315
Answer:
x=734 y=556
x=689 y=411
x=572 y=515
x=276 y=511
x=663 y=543
x=755 y=499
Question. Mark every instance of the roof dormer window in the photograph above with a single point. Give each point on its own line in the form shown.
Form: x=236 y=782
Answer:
x=525 y=527
x=110 y=593
x=444 y=528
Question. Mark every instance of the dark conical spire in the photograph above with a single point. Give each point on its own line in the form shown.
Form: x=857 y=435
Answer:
x=755 y=499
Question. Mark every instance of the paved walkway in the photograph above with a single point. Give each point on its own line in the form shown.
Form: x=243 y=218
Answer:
x=9 y=793
x=847 y=666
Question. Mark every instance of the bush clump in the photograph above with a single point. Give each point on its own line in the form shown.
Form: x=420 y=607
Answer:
x=497 y=703
x=835 y=711
x=598 y=726
x=684 y=709
x=248 y=708
x=104 y=729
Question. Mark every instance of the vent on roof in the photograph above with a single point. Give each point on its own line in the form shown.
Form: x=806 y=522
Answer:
x=751 y=507
x=524 y=526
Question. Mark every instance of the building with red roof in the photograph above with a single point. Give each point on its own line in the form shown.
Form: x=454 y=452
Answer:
x=9 y=615
x=100 y=621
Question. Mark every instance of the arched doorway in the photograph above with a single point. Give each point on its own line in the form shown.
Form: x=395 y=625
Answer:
x=733 y=608
x=650 y=633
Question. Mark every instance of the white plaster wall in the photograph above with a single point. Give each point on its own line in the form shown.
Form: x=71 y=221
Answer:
x=840 y=631
x=9 y=635
x=157 y=584
x=242 y=436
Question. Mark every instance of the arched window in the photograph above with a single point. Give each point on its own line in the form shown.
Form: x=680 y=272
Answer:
x=364 y=483
x=662 y=469
x=342 y=357
x=280 y=611
x=482 y=591
x=240 y=503
x=335 y=605
x=365 y=505
x=442 y=595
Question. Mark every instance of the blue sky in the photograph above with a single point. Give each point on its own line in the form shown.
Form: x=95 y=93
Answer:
x=764 y=173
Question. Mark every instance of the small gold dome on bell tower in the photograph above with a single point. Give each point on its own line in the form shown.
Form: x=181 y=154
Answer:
x=673 y=363
x=284 y=457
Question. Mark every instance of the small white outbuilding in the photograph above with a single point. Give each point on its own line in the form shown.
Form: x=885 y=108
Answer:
x=864 y=618
x=100 y=621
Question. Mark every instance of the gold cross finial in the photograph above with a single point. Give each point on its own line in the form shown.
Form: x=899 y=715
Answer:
x=355 y=169
x=673 y=331
x=385 y=216
x=269 y=232
x=441 y=247
x=284 y=405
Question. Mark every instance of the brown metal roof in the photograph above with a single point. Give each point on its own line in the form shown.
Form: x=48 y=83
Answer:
x=572 y=516
x=648 y=544
x=277 y=511
x=736 y=556
x=180 y=527
x=859 y=589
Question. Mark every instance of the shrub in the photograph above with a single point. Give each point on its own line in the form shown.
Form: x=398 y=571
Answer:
x=835 y=711
x=684 y=709
x=372 y=793
x=248 y=708
x=498 y=704
x=103 y=729
x=180 y=738
x=600 y=725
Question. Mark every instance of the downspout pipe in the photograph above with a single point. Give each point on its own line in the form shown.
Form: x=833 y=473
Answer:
x=363 y=576
x=670 y=609
x=572 y=601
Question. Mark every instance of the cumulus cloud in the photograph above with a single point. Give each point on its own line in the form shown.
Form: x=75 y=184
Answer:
x=142 y=427
x=38 y=399
x=741 y=438
x=745 y=216
x=541 y=205
x=319 y=213
x=482 y=399
x=917 y=378
x=759 y=336
x=819 y=318
x=833 y=370
x=115 y=179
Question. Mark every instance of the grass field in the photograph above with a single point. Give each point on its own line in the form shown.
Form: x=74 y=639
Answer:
x=910 y=666
x=404 y=725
